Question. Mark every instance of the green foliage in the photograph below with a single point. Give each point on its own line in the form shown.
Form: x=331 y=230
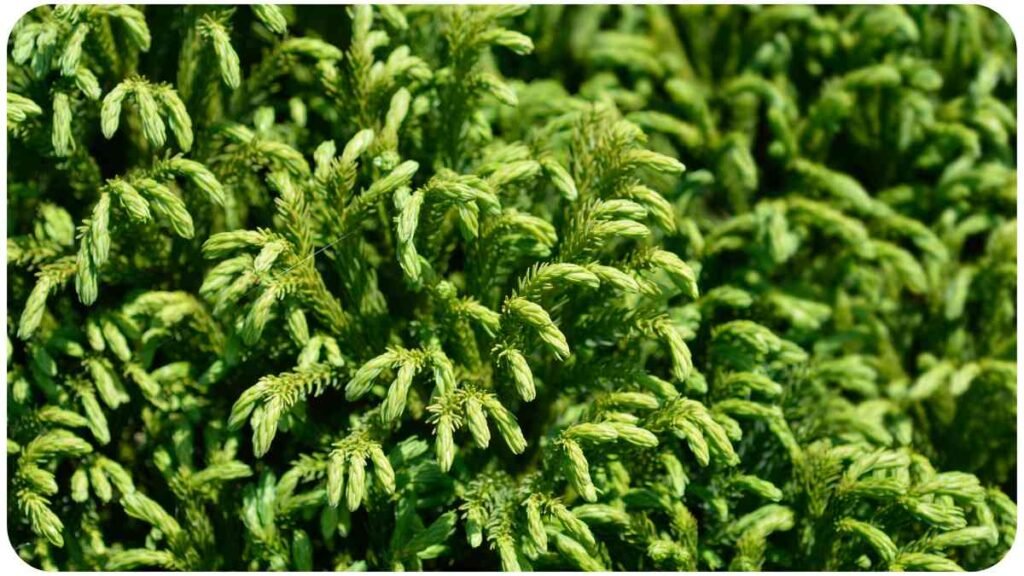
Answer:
x=584 y=288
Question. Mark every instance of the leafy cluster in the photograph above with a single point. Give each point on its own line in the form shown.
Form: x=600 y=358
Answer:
x=297 y=288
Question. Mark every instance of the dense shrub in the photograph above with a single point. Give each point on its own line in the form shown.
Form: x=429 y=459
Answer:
x=370 y=288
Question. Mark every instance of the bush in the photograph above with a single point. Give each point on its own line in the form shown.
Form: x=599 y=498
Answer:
x=370 y=288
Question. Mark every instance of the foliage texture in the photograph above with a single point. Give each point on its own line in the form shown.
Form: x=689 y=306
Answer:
x=589 y=287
